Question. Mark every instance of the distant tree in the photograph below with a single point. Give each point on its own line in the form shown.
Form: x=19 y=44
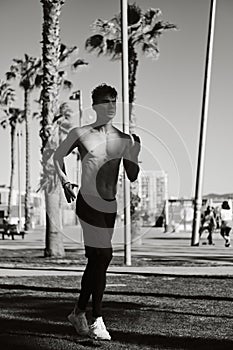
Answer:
x=144 y=30
x=12 y=117
x=7 y=98
x=7 y=95
x=63 y=119
x=28 y=72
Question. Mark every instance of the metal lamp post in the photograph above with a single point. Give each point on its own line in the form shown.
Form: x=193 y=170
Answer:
x=77 y=96
x=203 y=127
x=19 y=135
x=125 y=104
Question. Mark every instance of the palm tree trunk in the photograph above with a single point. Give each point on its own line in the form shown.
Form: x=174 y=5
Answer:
x=51 y=53
x=133 y=64
x=27 y=160
x=12 y=176
x=53 y=238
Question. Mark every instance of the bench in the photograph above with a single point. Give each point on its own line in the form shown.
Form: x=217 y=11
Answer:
x=11 y=230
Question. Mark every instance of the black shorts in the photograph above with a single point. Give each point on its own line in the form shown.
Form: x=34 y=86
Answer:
x=97 y=217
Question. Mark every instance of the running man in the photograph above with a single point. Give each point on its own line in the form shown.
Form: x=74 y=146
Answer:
x=101 y=147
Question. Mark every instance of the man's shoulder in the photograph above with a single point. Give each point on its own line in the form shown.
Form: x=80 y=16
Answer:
x=79 y=131
x=122 y=134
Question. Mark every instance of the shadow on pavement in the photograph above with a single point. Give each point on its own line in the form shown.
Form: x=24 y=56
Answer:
x=37 y=322
x=165 y=342
x=35 y=341
x=117 y=293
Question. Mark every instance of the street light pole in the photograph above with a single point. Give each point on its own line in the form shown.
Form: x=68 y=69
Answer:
x=77 y=96
x=203 y=127
x=125 y=104
x=80 y=108
x=19 y=135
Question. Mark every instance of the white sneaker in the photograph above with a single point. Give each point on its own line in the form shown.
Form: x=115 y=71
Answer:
x=79 y=322
x=98 y=330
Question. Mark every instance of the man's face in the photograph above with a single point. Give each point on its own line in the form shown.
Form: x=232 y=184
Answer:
x=105 y=107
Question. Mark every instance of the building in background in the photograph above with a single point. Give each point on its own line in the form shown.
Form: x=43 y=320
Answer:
x=37 y=206
x=153 y=190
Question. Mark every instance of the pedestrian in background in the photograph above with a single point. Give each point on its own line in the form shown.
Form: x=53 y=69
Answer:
x=208 y=223
x=226 y=222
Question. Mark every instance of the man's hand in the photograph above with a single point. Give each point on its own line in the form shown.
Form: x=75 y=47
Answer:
x=68 y=190
x=136 y=145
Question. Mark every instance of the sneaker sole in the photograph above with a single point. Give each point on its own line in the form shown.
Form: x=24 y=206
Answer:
x=93 y=336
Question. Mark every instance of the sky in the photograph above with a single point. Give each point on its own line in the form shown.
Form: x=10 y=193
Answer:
x=168 y=90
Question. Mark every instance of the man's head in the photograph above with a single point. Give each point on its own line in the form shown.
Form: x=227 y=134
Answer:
x=104 y=101
x=225 y=205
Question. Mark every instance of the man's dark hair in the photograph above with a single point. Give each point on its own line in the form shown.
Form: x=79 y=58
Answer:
x=102 y=90
x=225 y=205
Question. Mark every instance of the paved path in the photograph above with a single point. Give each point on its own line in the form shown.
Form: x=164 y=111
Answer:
x=163 y=270
x=159 y=252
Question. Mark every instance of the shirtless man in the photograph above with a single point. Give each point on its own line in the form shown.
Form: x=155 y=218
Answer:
x=101 y=147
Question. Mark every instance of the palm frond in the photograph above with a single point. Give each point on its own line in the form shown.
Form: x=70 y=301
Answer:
x=151 y=15
x=62 y=73
x=117 y=50
x=38 y=80
x=64 y=113
x=7 y=94
x=26 y=56
x=66 y=52
x=67 y=84
x=4 y=123
x=10 y=75
x=95 y=43
x=158 y=28
x=79 y=62
x=109 y=29
x=36 y=115
x=151 y=50
x=134 y=14
x=18 y=61
x=98 y=25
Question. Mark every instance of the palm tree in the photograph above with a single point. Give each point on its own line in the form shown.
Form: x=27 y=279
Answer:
x=7 y=95
x=9 y=117
x=50 y=92
x=144 y=30
x=13 y=116
x=55 y=131
x=28 y=72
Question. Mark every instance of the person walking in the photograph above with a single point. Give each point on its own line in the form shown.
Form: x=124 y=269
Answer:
x=102 y=147
x=226 y=222
x=208 y=223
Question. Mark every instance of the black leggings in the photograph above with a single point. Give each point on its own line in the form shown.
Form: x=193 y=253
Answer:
x=210 y=235
x=225 y=231
x=94 y=278
x=97 y=218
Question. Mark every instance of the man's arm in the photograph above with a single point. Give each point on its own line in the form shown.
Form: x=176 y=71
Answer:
x=130 y=159
x=63 y=150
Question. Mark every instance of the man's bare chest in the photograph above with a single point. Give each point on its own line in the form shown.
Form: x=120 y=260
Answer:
x=100 y=145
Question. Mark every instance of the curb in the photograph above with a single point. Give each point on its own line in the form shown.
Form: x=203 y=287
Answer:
x=172 y=271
